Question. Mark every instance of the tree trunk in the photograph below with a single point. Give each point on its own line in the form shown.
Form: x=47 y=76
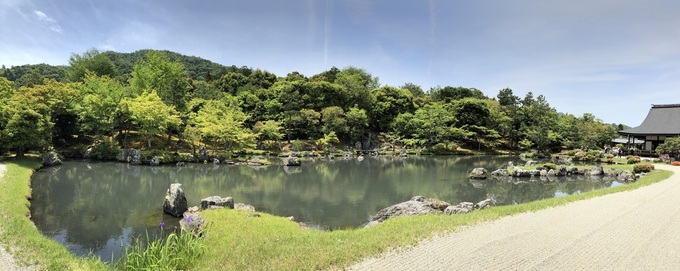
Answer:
x=20 y=153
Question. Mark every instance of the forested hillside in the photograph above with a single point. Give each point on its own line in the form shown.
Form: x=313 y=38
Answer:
x=105 y=98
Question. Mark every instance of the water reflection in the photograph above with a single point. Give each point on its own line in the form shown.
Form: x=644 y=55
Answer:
x=91 y=206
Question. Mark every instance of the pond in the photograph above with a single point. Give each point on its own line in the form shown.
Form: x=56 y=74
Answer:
x=99 y=207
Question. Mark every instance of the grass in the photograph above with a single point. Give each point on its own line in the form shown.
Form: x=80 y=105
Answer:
x=177 y=251
x=19 y=235
x=268 y=242
x=235 y=241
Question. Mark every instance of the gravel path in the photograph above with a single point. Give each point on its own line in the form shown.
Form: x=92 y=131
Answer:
x=633 y=230
x=6 y=260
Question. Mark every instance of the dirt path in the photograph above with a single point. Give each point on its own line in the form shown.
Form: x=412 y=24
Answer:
x=634 y=230
x=7 y=262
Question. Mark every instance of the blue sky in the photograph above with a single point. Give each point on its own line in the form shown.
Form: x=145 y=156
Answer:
x=611 y=58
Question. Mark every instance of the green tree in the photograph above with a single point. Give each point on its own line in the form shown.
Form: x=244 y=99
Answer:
x=91 y=60
x=269 y=131
x=26 y=124
x=221 y=123
x=151 y=115
x=389 y=102
x=328 y=141
x=333 y=120
x=168 y=79
x=98 y=99
x=357 y=123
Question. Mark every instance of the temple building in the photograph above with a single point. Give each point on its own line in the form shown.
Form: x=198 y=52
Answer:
x=662 y=121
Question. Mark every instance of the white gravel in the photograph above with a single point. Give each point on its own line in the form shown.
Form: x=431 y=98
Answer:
x=634 y=230
x=7 y=262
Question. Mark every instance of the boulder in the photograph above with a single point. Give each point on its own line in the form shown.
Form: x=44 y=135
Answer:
x=217 y=201
x=132 y=156
x=417 y=205
x=216 y=161
x=551 y=172
x=595 y=171
x=625 y=177
x=545 y=173
x=478 y=173
x=501 y=172
x=461 y=208
x=180 y=164
x=484 y=204
x=291 y=161
x=530 y=163
x=244 y=207
x=202 y=153
x=193 y=223
x=51 y=159
x=561 y=171
x=155 y=161
x=175 y=202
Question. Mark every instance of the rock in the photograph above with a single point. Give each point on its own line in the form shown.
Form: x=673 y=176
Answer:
x=155 y=161
x=595 y=171
x=132 y=156
x=291 y=162
x=417 y=205
x=244 y=207
x=501 y=172
x=51 y=159
x=478 y=173
x=193 y=223
x=551 y=172
x=175 y=202
x=180 y=164
x=484 y=204
x=257 y=162
x=216 y=161
x=625 y=177
x=572 y=171
x=461 y=208
x=217 y=201
x=530 y=163
x=88 y=153
x=561 y=171
x=545 y=173
x=202 y=153
x=519 y=172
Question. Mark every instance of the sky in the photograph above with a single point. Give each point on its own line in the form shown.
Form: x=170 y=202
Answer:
x=610 y=58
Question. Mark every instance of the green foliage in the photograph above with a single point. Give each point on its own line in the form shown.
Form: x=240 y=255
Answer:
x=643 y=167
x=151 y=115
x=444 y=148
x=105 y=151
x=177 y=251
x=92 y=61
x=221 y=124
x=167 y=78
x=670 y=146
x=549 y=166
x=328 y=140
x=632 y=160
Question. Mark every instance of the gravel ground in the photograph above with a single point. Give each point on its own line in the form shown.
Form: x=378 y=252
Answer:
x=6 y=260
x=633 y=230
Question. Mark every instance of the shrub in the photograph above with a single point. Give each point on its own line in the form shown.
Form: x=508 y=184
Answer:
x=443 y=148
x=610 y=161
x=105 y=151
x=675 y=163
x=633 y=160
x=549 y=166
x=644 y=167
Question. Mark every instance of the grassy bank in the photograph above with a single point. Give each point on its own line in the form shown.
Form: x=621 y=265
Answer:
x=17 y=232
x=238 y=242
x=235 y=241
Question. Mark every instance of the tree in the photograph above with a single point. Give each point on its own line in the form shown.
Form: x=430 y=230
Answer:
x=327 y=141
x=670 y=146
x=221 y=123
x=333 y=120
x=151 y=115
x=26 y=124
x=91 y=60
x=98 y=99
x=388 y=103
x=268 y=130
x=448 y=94
x=168 y=79
x=357 y=122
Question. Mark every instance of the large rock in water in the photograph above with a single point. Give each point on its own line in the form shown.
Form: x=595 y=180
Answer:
x=132 y=156
x=175 y=202
x=478 y=173
x=51 y=159
x=292 y=162
x=417 y=205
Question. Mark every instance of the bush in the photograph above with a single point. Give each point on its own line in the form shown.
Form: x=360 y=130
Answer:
x=633 y=159
x=644 y=167
x=443 y=148
x=105 y=151
x=549 y=166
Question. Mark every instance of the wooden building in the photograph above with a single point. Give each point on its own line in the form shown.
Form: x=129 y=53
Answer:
x=662 y=121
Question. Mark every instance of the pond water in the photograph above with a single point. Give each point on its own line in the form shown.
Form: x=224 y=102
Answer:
x=99 y=207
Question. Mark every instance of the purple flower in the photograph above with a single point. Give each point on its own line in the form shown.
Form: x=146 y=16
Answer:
x=162 y=225
x=188 y=219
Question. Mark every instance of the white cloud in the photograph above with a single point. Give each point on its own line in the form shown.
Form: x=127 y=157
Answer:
x=52 y=24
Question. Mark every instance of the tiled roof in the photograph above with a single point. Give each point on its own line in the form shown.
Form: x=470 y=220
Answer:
x=662 y=119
